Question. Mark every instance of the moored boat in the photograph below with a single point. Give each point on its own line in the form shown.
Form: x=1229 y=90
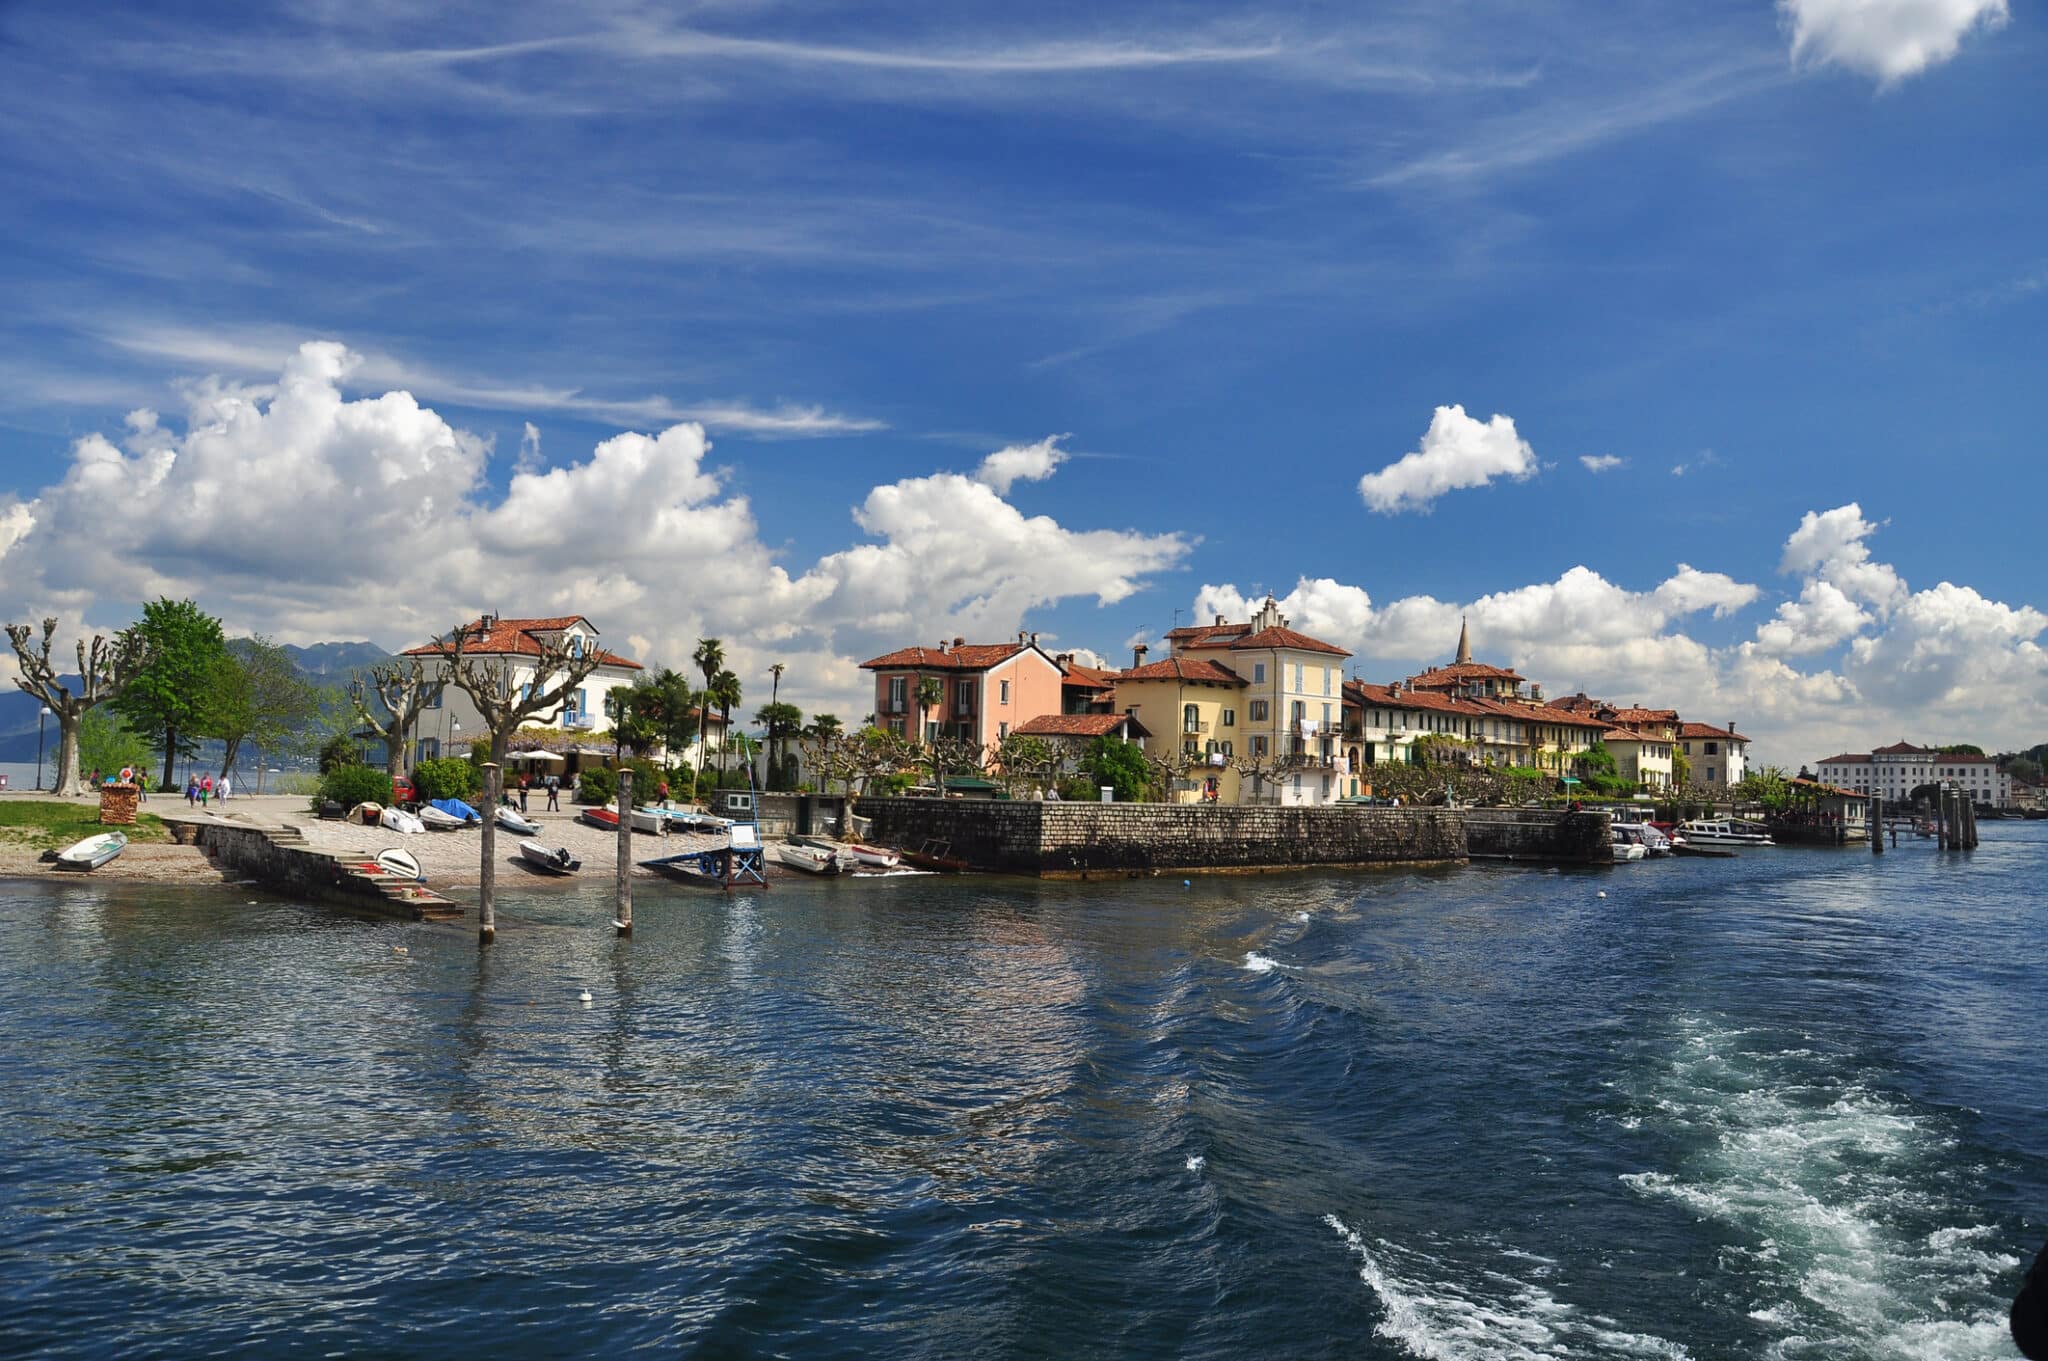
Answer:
x=1724 y=832
x=457 y=809
x=934 y=855
x=366 y=813
x=809 y=859
x=599 y=816
x=872 y=857
x=400 y=862
x=399 y=821
x=548 y=859
x=92 y=852
x=439 y=820
x=512 y=820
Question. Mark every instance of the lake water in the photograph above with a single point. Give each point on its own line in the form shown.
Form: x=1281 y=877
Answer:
x=1788 y=1105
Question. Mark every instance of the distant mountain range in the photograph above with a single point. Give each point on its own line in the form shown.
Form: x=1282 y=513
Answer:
x=323 y=664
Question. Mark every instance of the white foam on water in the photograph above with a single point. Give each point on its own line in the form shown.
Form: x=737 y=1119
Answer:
x=1258 y=963
x=1441 y=1312
x=1302 y=917
x=1195 y=1162
x=1819 y=1179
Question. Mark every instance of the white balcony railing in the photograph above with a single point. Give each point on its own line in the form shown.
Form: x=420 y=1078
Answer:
x=580 y=722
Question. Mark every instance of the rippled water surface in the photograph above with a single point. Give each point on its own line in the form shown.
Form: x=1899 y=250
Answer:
x=1789 y=1105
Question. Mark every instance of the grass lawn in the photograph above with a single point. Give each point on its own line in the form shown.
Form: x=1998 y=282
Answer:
x=48 y=826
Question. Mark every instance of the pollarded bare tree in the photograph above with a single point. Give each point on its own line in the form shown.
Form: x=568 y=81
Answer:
x=104 y=669
x=504 y=705
x=402 y=688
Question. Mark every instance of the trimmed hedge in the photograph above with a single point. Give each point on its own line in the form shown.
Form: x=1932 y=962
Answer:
x=450 y=777
x=351 y=785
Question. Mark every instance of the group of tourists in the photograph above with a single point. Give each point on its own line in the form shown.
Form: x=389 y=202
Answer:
x=201 y=788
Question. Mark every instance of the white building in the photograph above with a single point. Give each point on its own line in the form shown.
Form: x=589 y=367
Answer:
x=1718 y=757
x=450 y=722
x=1894 y=772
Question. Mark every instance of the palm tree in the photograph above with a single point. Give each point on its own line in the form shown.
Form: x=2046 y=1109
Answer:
x=930 y=692
x=709 y=657
x=724 y=691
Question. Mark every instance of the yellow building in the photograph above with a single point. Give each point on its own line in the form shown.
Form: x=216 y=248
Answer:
x=1193 y=715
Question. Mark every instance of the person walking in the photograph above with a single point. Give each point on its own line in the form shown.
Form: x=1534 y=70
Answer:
x=524 y=781
x=205 y=790
x=224 y=786
x=554 y=791
x=192 y=790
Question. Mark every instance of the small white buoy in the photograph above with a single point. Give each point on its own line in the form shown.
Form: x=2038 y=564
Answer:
x=1602 y=893
x=1187 y=883
x=585 y=998
x=399 y=950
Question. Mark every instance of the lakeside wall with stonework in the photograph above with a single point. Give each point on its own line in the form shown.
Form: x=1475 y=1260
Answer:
x=1083 y=839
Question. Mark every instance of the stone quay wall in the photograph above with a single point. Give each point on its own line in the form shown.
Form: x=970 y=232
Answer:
x=1082 y=839
x=255 y=852
x=1539 y=834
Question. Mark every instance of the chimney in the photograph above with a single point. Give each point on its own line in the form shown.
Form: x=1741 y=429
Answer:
x=1138 y=655
x=1065 y=660
x=1731 y=727
x=957 y=642
x=1034 y=640
x=1220 y=621
x=942 y=645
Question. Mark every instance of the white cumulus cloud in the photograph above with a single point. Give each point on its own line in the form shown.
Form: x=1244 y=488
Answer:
x=1601 y=463
x=293 y=509
x=1887 y=39
x=1021 y=463
x=1457 y=452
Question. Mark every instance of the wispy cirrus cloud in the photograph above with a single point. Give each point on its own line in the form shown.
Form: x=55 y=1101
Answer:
x=262 y=352
x=1601 y=463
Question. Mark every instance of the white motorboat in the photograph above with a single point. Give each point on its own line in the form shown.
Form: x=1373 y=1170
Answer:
x=512 y=820
x=651 y=820
x=437 y=820
x=399 y=821
x=809 y=859
x=1724 y=832
x=400 y=862
x=1626 y=851
x=92 y=852
x=549 y=859
x=1653 y=842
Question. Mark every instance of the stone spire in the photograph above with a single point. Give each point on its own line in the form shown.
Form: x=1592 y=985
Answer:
x=1464 y=643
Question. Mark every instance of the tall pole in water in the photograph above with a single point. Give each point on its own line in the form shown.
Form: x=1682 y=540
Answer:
x=40 y=720
x=487 y=875
x=1875 y=816
x=622 y=872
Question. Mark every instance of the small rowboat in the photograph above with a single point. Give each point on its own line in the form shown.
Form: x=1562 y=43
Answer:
x=399 y=821
x=809 y=859
x=512 y=820
x=400 y=862
x=607 y=818
x=872 y=857
x=934 y=855
x=547 y=860
x=436 y=820
x=92 y=852
x=457 y=809
x=366 y=813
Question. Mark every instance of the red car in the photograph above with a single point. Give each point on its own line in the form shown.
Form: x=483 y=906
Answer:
x=402 y=790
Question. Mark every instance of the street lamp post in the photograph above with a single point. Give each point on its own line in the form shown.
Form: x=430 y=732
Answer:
x=454 y=727
x=39 y=746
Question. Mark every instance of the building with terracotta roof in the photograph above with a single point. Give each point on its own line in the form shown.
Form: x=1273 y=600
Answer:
x=1717 y=758
x=985 y=690
x=1382 y=724
x=1070 y=734
x=1292 y=714
x=1894 y=772
x=451 y=721
x=1193 y=708
x=1085 y=689
x=1644 y=757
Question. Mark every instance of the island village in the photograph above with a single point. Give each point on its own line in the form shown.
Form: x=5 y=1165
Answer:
x=1250 y=745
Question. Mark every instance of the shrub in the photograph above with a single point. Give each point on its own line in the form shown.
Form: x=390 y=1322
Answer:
x=646 y=781
x=338 y=752
x=349 y=785
x=597 y=785
x=1080 y=789
x=448 y=777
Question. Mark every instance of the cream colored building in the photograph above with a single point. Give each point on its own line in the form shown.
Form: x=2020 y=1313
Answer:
x=1193 y=712
x=1642 y=757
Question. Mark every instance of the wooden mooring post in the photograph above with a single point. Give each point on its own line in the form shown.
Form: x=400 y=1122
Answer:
x=622 y=873
x=487 y=873
x=1875 y=817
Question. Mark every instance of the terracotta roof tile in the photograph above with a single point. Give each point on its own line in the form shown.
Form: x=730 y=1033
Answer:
x=1464 y=671
x=966 y=657
x=1708 y=730
x=1846 y=758
x=1080 y=725
x=514 y=637
x=1088 y=677
x=1280 y=637
x=1902 y=749
x=1183 y=669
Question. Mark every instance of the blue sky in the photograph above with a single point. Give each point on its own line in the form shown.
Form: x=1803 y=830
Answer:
x=1779 y=262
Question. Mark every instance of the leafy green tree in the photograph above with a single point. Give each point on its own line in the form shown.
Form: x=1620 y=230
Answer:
x=930 y=692
x=725 y=693
x=1767 y=785
x=447 y=777
x=171 y=699
x=338 y=751
x=354 y=783
x=782 y=722
x=634 y=725
x=106 y=743
x=1120 y=764
x=710 y=659
x=260 y=698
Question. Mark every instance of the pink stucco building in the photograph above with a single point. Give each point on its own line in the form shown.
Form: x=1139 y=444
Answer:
x=986 y=690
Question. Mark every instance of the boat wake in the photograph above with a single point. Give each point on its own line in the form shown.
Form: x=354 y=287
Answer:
x=1447 y=1312
x=1841 y=1234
